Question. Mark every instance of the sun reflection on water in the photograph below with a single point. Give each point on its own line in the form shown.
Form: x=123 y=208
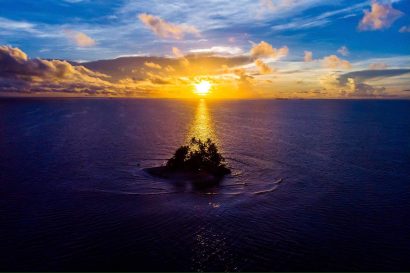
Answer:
x=202 y=125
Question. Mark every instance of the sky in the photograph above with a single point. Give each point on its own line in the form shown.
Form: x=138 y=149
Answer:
x=243 y=48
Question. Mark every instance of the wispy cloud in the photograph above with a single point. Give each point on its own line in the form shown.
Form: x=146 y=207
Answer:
x=263 y=67
x=399 y=61
x=344 y=51
x=323 y=19
x=165 y=29
x=364 y=75
x=219 y=14
x=281 y=7
x=13 y=25
x=404 y=29
x=377 y=66
x=219 y=50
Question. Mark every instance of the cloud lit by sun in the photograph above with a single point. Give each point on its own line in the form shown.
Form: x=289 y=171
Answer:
x=202 y=88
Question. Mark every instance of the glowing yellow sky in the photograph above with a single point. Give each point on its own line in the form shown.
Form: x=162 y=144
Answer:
x=262 y=72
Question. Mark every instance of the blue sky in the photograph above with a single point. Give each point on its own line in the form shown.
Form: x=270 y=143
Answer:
x=85 y=30
x=302 y=25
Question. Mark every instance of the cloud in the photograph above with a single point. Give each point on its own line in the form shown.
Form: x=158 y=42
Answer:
x=22 y=74
x=284 y=6
x=152 y=65
x=245 y=82
x=404 y=29
x=79 y=38
x=169 y=69
x=265 y=50
x=377 y=66
x=180 y=65
x=308 y=56
x=269 y=6
x=177 y=52
x=164 y=29
x=333 y=61
x=344 y=51
x=262 y=67
x=307 y=22
x=130 y=76
x=216 y=14
x=222 y=50
x=349 y=86
x=359 y=89
x=356 y=84
x=12 y=25
x=329 y=81
x=266 y=5
x=365 y=75
x=380 y=16
x=158 y=79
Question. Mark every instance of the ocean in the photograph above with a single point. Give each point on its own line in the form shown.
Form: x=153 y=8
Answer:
x=315 y=185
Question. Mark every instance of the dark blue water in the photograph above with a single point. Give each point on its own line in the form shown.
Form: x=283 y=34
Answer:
x=316 y=185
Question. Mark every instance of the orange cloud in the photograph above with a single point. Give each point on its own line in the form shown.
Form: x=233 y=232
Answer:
x=169 y=69
x=178 y=54
x=308 y=56
x=152 y=65
x=79 y=38
x=333 y=61
x=164 y=29
x=245 y=82
x=158 y=79
x=379 y=17
x=263 y=67
x=265 y=50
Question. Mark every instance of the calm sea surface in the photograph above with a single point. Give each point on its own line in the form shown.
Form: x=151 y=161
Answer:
x=316 y=185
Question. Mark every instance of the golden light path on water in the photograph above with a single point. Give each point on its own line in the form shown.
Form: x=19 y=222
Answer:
x=210 y=243
x=202 y=124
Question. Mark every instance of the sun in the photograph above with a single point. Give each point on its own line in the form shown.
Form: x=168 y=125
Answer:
x=202 y=88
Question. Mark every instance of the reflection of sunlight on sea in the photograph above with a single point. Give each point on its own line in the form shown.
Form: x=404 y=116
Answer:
x=211 y=250
x=202 y=125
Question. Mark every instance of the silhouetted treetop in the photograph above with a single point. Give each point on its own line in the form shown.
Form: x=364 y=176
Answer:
x=198 y=156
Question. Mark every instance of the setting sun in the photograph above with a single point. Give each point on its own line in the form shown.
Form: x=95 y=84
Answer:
x=202 y=88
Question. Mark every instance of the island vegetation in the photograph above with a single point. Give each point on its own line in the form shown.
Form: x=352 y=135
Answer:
x=199 y=162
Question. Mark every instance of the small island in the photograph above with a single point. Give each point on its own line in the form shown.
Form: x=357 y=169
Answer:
x=199 y=162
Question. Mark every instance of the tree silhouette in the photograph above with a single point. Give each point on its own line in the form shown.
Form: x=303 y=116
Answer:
x=198 y=156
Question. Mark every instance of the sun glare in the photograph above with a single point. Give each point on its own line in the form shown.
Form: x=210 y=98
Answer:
x=202 y=88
